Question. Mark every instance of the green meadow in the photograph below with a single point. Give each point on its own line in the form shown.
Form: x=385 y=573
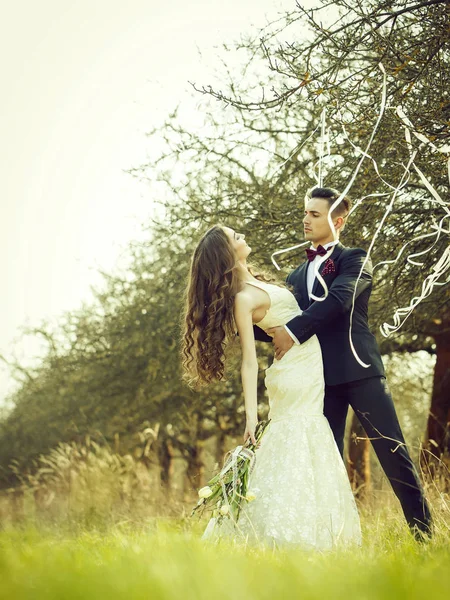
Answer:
x=164 y=558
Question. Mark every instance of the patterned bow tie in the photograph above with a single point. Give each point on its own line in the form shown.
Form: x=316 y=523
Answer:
x=311 y=253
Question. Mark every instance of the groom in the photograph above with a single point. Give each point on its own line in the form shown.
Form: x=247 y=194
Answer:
x=346 y=381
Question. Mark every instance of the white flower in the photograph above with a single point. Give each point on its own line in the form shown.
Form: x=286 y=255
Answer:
x=205 y=492
x=200 y=502
x=225 y=509
x=250 y=496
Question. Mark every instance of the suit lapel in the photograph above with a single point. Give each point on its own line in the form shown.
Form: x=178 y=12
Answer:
x=317 y=286
x=301 y=285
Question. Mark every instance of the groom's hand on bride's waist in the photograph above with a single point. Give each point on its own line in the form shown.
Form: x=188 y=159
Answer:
x=281 y=340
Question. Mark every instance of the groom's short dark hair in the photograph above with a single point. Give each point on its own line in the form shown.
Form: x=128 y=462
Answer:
x=332 y=195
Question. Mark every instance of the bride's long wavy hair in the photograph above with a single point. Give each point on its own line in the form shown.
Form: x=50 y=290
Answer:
x=209 y=324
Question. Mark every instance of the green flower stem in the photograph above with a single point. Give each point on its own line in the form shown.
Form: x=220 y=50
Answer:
x=235 y=496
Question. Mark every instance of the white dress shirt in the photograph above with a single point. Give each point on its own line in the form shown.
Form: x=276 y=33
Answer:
x=310 y=279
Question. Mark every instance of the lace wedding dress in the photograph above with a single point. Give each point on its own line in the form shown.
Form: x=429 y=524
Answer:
x=303 y=495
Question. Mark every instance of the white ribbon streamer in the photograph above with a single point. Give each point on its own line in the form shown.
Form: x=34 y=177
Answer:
x=334 y=206
x=231 y=462
x=340 y=198
x=393 y=261
x=443 y=264
x=431 y=281
x=321 y=145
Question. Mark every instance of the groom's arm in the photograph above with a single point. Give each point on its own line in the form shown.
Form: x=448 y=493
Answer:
x=339 y=299
x=260 y=334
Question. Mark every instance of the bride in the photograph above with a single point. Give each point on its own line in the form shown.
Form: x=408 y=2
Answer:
x=303 y=495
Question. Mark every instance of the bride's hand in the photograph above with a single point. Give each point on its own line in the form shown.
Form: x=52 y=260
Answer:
x=250 y=427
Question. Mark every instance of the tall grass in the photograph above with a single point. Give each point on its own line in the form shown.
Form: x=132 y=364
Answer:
x=89 y=523
x=84 y=483
x=169 y=561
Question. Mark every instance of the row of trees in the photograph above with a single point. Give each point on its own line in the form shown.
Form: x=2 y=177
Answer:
x=112 y=369
x=259 y=155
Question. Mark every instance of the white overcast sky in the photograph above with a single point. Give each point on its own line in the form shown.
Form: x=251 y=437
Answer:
x=82 y=83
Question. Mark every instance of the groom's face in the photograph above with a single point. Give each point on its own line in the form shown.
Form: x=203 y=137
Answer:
x=315 y=222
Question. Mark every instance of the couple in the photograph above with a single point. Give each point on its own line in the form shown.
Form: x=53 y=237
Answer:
x=303 y=495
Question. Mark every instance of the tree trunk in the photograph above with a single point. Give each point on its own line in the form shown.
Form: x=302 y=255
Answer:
x=195 y=466
x=40 y=496
x=192 y=453
x=17 y=505
x=358 y=466
x=220 y=447
x=435 y=459
x=165 y=457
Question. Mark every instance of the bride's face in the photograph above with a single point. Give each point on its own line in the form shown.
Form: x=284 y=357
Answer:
x=237 y=240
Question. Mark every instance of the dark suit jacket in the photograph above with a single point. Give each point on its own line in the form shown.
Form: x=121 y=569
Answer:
x=330 y=319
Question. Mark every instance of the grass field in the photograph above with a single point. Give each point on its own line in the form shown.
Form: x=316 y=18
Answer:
x=164 y=558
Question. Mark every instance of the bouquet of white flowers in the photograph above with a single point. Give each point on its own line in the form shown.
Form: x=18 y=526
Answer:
x=226 y=491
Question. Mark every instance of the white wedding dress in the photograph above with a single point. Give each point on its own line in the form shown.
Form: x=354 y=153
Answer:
x=303 y=495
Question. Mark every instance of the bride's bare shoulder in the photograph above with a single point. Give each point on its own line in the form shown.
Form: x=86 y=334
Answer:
x=246 y=299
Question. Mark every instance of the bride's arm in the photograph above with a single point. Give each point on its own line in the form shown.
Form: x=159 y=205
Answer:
x=243 y=309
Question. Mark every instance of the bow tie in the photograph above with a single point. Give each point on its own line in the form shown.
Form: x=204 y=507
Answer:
x=311 y=253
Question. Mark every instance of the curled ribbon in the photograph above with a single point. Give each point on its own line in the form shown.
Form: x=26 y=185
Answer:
x=441 y=266
x=401 y=314
x=364 y=154
x=443 y=263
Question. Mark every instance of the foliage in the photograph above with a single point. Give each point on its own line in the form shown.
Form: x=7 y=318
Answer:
x=112 y=369
x=250 y=165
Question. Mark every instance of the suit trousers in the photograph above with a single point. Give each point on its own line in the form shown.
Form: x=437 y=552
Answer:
x=372 y=402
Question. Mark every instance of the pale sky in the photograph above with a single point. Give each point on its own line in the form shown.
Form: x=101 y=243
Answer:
x=82 y=83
